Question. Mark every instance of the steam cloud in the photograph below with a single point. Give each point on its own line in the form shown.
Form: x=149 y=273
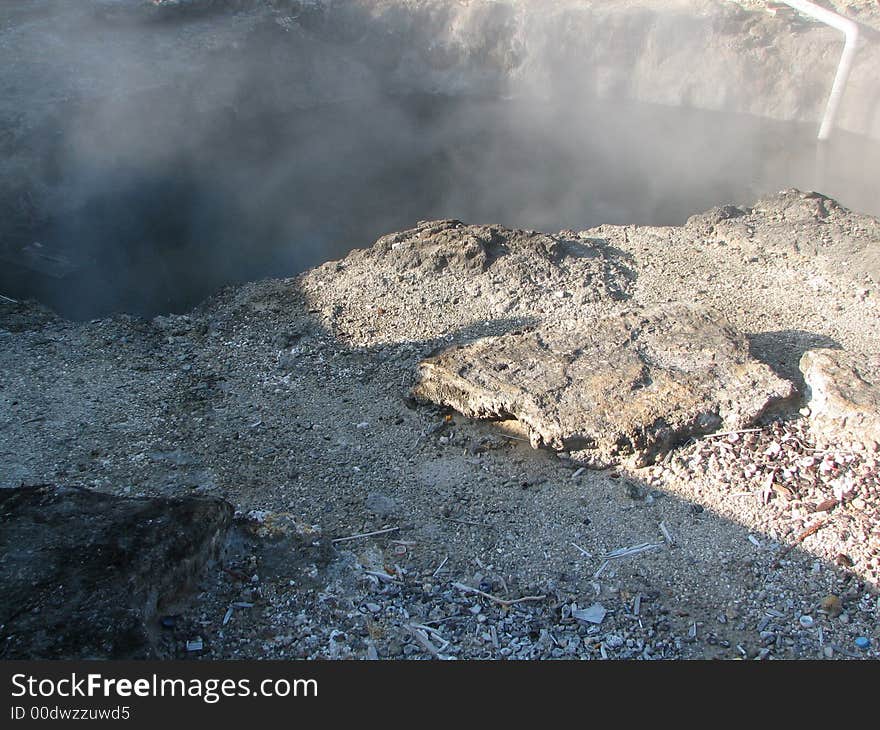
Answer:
x=221 y=147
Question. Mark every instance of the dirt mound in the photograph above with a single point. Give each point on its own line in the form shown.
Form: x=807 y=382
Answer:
x=809 y=227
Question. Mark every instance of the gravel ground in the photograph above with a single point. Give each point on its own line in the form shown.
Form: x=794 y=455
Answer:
x=290 y=399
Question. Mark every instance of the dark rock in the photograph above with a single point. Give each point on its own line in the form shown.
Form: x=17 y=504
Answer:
x=89 y=575
x=380 y=504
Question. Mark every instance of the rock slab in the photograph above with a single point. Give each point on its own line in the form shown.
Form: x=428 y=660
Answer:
x=844 y=406
x=86 y=575
x=627 y=387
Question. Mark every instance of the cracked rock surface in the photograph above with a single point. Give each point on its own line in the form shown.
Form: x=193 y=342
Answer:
x=627 y=386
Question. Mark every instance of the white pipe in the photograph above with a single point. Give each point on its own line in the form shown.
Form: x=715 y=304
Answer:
x=851 y=32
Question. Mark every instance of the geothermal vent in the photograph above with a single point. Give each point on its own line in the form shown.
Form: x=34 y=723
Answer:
x=438 y=329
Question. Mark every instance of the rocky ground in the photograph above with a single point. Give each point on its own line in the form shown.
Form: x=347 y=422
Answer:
x=866 y=12
x=370 y=524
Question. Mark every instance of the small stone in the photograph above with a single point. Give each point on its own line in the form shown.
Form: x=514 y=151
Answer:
x=380 y=504
x=634 y=490
x=863 y=643
x=831 y=605
x=373 y=607
x=806 y=621
x=594 y=614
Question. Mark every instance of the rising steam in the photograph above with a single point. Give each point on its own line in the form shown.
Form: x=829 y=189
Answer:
x=188 y=151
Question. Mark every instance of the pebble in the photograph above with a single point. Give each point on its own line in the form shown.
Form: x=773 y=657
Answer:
x=594 y=614
x=806 y=621
x=831 y=606
x=863 y=643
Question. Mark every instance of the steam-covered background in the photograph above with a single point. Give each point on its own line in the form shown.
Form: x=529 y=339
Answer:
x=155 y=151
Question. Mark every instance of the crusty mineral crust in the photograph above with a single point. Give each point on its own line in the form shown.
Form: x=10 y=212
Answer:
x=844 y=407
x=620 y=387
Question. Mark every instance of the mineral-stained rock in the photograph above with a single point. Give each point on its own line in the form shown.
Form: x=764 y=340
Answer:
x=798 y=225
x=447 y=244
x=844 y=406
x=85 y=574
x=630 y=386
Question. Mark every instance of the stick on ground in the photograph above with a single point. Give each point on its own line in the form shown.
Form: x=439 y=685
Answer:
x=366 y=534
x=500 y=601
x=812 y=530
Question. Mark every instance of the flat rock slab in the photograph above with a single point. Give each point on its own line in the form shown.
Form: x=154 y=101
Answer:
x=85 y=574
x=844 y=406
x=627 y=387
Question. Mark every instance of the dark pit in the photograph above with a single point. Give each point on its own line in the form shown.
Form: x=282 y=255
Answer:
x=148 y=201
